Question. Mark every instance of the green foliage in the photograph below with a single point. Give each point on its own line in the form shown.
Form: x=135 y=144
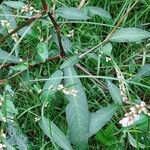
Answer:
x=71 y=13
x=99 y=118
x=5 y=56
x=106 y=136
x=54 y=133
x=78 y=91
x=52 y=82
x=14 y=4
x=115 y=93
x=77 y=111
x=129 y=35
x=91 y=11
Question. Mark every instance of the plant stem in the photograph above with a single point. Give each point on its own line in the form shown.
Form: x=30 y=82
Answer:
x=113 y=30
x=57 y=29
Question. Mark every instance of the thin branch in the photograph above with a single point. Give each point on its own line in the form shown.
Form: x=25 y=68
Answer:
x=113 y=30
x=120 y=21
x=54 y=7
x=81 y=4
x=57 y=29
x=45 y=5
x=104 y=87
x=28 y=22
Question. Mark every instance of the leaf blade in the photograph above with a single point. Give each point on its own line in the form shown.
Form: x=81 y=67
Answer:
x=5 y=56
x=115 y=93
x=129 y=35
x=100 y=118
x=71 y=13
x=54 y=133
x=92 y=10
x=77 y=112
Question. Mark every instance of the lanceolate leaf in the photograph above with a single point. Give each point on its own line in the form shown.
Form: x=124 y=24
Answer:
x=134 y=143
x=14 y=4
x=91 y=11
x=42 y=51
x=5 y=56
x=115 y=93
x=71 y=13
x=144 y=71
x=99 y=118
x=16 y=137
x=54 y=133
x=67 y=45
x=70 y=62
x=9 y=16
x=77 y=111
x=129 y=35
x=53 y=82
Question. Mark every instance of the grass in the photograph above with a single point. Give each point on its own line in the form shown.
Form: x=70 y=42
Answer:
x=129 y=58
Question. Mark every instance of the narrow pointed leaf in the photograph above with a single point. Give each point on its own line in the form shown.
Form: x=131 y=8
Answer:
x=70 y=62
x=16 y=137
x=115 y=93
x=129 y=35
x=42 y=51
x=92 y=10
x=67 y=45
x=5 y=56
x=53 y=82
x=99 y=118
x=54 y=133
x=77 y=111
x=134 y=143
x=14 y=4
x=71 y=13
x=144 y=71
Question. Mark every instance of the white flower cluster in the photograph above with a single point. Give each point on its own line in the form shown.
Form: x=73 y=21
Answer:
x=122 y=85
x=29 y=9
x=134 y=113
x=7 y=24
x=67 y=91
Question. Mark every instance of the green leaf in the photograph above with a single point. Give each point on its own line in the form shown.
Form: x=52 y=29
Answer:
x=14 y=4
x=54 y=133
x=9 y=16
x=134 y=143
x=5 y=56
x=20 y=67
x=10 y=107
x=129 y=35
x=107 y=137
x=52 y=82
x=115 y=93
x=77 y=111
x=107 y=49
x=99 y=118
x=71 y=13
x=70 y=62
x=92 y=10
x=144 y=71
x=16 y=137
x=8 y=145
x=42 y=51
x=67 y=45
